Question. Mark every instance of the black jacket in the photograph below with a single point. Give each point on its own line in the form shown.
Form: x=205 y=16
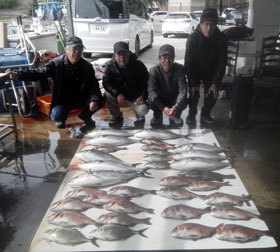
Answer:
x=205 y=58
x=132 y=82
x=89 y=88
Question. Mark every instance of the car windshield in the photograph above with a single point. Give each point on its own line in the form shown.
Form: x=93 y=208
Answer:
x=105 y=9
x=178 y=16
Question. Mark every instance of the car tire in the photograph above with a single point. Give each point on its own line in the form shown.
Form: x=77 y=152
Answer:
x=151 y=40
x=137 y=47
x=86 y=55
x=165 y=35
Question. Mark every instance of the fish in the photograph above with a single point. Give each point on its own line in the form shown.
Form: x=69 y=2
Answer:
x=70 y=204
x=224 y=199
x=154 y=146
x=158 y=134
x=175 y=181
x=158 y=152
x=205 y=175
x=108 y=165
x=122 y=219
x=109 y=149
x=149 y=141
x=233 y=213
x=238 y=233
x=66 y=236
x=198 y=146
x=88 y=180
x=198 y=154
x=70 y=219
x=157 y=165
x=155 y=158
x=184 y=212
x=178 y=193
x=129 y=191
x=192 y=231
x=80 y=193
x=126 y=206
x=101 y=199
x=111 y=141
x=108 y=132
x=114 y=232
x=197 y=185
x=198 y=164
x=93 y=155
x=120 y=175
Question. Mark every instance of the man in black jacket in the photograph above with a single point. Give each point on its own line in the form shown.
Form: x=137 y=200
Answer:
x=167 y=89
x=125 y=82
x=74 y=85
x=205 y=60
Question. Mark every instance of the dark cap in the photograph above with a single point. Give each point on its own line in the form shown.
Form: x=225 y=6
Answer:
x=74 y=41
x=167 y=50
x=121 y=46
x=210 y=14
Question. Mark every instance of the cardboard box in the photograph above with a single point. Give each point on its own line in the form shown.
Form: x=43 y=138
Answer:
x=44 y=104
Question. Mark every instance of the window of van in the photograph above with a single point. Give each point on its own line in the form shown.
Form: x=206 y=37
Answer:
x=105 y=9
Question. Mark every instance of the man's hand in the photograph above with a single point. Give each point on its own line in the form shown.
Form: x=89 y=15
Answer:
x=121 y=99
x=166 y=111
x=193 y=90
x=140 y=100
x=93 y=106
x=174 y=109
x=13 y=75
x=213 y=88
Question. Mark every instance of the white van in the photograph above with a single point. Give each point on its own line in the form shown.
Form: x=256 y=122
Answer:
x=101 y=23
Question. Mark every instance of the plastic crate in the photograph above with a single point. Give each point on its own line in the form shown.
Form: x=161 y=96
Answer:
x=44 y=104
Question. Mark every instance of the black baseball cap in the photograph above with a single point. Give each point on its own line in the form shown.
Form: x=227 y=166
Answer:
x=209 y=14
x=167 y=50
x=121 y=46
x=74 y=41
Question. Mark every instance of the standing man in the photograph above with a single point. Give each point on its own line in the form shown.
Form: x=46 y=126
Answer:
x=205 y=60
x=125 y=82
x=167 y=89
x=74 y=85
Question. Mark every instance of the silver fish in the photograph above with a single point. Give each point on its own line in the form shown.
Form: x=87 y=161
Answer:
x=155 y=158
x=158 y=152
x=70 y=219
x=178 y=193
x=108 y=165
x=192 y=231
x=198 y=146
x=126 y=206
x=129 y=191
x=110 y=141
x=154 y=146
x=197 y=164
x=92 y=155
x=157 y=165
x=159 y=134
x=114 y=232
x=237 y=233
x=233 y=213
x=122 y=219
x=108 y=132
x=175 y=181
x=197 y=185
x=205 y=175
x=224 y=199
x=80 y=193
x=157 y=142
x=199 y=154
x=184 y=212
x=65 y=236
x=70 y=204
x=118 y=175
x=88 y=180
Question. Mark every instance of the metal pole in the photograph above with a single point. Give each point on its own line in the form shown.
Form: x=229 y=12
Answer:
x=69 y=17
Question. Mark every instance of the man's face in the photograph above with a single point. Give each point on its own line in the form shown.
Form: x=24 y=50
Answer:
x=166 y=62
x=207 y=28
x=122 y=58
x=74 y=54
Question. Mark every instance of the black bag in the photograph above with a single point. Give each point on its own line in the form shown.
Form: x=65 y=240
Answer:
x=238 y=32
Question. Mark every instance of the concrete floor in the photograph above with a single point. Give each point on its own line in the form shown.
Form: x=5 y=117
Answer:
x=32 y=169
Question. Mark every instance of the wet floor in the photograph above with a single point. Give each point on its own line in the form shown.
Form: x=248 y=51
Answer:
x=32 y=169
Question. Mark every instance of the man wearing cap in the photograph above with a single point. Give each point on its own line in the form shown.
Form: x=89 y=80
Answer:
x=205 y=60
x=74 y=85
x=125 y=82
x=167 y=89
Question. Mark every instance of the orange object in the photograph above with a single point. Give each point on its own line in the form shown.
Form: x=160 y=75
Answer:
x=44 y=104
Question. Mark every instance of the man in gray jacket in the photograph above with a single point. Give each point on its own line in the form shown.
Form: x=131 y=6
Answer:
x=167 y=89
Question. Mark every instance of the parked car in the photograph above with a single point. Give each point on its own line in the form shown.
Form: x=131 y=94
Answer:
x=232 y=16
x=156 y=18
x=179 y=23
x=197 y=14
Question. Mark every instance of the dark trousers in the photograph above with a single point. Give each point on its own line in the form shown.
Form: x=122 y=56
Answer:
x=208 y=104
x=60 y=112
x=167 y=103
